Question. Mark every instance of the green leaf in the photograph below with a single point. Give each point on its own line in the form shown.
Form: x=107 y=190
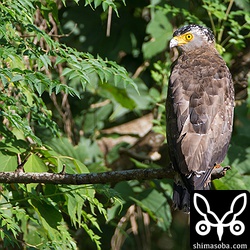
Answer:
x=125 y=191
x=20 y=124
x=8 y=162
x=35 y=164
x=67 y=71
x=17 y=78
x=13 y=146
x=154 y=202
x=143 y=100
x=97 y=3
x=243 y=4
x=117 y=94
x=74 y=206
x=39 y=86
x=48 y=213
x=45 y=61
x=160 y=31
x=233 y=180
x=80 y=167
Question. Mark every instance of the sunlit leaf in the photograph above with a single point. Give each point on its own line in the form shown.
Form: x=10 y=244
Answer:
x=8 y=162
x=35 y=164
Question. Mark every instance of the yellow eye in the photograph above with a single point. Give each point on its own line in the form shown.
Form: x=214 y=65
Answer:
x=188 y=36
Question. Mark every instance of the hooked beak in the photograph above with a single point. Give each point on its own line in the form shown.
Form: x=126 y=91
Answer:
x=173 y=43
x=177 y=41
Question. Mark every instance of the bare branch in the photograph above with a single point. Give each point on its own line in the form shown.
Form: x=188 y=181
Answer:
x=92 y=178
x=95 y=178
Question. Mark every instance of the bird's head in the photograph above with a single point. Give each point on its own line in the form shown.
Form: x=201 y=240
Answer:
x=191 y=37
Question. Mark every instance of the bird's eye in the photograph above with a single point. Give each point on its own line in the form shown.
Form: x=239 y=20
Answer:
x=188 y=37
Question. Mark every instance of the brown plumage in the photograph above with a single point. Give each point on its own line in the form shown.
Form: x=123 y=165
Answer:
x=199 y=111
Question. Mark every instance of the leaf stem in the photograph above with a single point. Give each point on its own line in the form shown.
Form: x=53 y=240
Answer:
x=224 y=19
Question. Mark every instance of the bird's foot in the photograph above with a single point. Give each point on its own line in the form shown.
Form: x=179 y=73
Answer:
x=219 y=171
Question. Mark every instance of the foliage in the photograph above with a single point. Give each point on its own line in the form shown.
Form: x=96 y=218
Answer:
x=63 y=82
x=31 y=61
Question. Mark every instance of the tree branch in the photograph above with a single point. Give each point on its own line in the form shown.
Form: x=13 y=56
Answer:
x=92 y=178
x=96 y=178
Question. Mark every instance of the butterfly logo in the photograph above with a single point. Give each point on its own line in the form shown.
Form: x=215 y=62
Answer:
x=203 y=227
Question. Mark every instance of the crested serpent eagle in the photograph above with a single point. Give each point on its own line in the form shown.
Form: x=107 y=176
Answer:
x=199 y=111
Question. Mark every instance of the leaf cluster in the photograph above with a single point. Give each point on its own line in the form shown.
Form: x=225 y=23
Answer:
x=30 y=65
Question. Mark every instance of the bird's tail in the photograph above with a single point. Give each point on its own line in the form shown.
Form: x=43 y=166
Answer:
x=184 y=185
x=181 y=198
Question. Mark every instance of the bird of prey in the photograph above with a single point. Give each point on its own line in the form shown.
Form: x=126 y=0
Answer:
x=199 y=111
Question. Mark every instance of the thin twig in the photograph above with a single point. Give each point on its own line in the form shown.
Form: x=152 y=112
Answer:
x=225 y=18
x=109 y=21
x=211 y=20
x=140 y=69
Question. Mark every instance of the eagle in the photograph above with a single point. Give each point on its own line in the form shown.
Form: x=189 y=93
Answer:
x=199 y=111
